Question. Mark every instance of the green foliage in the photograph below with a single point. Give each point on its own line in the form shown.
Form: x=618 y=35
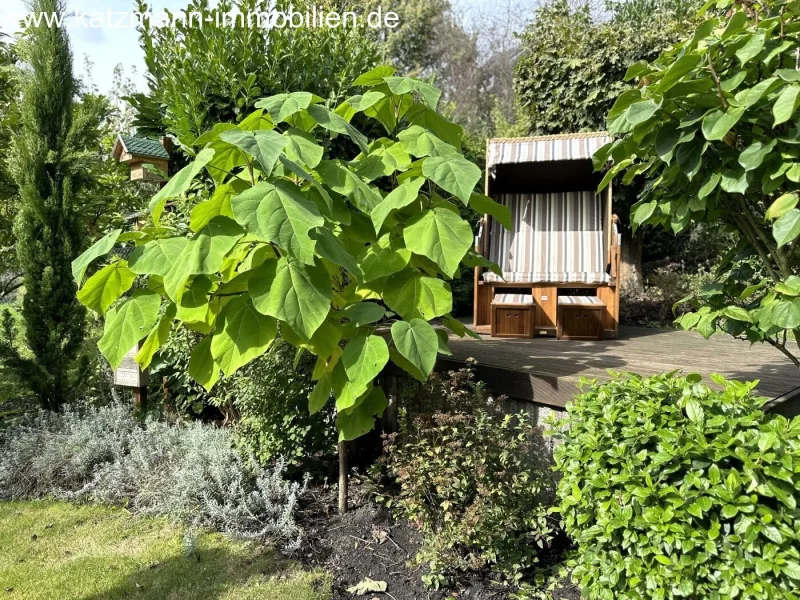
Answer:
x=711 y=127
x=271 y=399
x=47 y=230
x=478 y=486
x=671 y=489
x=295 y=249
x=572 y=65
x=200 y=76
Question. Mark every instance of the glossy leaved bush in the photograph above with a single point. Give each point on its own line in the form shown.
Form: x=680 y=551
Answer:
x=673 y=490
x=712 y=126
x=348 y=259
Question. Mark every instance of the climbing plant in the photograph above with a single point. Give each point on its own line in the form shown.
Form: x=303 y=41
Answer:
x=712 y=126
x=348 y=259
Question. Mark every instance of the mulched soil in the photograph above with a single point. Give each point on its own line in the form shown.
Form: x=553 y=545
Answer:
x=367 y=542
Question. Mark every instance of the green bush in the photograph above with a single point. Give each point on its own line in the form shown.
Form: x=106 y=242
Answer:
x=266 y=401
x=271 y=398
x=673 y=490
x=478 y=487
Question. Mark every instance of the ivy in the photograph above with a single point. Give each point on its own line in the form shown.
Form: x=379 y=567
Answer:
x=348 y=259
x=712 y=125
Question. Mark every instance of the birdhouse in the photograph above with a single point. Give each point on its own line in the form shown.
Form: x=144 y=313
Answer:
x=137 y=152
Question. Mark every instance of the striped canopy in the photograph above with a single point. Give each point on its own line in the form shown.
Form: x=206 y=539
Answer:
x=574 y=146
x=556 y=238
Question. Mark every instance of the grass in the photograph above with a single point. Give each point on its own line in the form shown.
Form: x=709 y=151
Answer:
x=59 y=550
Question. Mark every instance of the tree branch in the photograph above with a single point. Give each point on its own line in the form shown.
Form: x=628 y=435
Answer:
x=719 y=85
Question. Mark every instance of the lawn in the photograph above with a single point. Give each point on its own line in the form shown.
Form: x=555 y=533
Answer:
x=59 y=550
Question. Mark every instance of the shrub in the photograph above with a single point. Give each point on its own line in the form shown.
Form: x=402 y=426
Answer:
x=672 y=489
x=451 y=392
x=478 y=487
x=191 y=474
x=271 y=397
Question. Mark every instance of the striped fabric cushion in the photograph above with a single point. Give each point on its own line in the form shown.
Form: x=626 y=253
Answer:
x=556 y=238
x=581 y=300
x=512 y=299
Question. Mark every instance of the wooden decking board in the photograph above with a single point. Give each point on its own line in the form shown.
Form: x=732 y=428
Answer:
x=547 y=370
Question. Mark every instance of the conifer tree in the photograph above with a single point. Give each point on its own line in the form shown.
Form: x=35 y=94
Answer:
x=47 y=230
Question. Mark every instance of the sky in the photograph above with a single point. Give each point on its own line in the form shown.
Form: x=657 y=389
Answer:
x=108 y=46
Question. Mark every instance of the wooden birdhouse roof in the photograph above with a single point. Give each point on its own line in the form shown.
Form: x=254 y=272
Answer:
x=138 y=147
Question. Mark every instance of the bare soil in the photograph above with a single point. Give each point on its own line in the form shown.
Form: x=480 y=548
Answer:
x=368 y=542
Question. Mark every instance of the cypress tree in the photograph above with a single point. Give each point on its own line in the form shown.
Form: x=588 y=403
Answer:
x=47 y=229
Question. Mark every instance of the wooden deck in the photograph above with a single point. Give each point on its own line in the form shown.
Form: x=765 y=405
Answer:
x=546 y=370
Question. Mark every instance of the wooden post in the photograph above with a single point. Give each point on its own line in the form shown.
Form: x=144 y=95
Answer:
x=390 y=415
x=342 y=477
x=139 y=400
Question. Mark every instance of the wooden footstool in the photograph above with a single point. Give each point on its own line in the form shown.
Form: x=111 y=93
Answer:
x=512 y=315
x=580 y=318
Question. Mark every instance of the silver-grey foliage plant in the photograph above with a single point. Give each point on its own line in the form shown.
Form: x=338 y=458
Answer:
x=191 y=474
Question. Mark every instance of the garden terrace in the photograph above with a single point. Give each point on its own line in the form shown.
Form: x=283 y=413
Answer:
x=547 y=371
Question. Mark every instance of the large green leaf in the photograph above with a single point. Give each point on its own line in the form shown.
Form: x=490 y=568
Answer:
x=412 y=295
x=441 y=235
x=263 y=145
x=179 y=183
x=194 y=304
x=280 y=213
x=684 y=65
x=407 y=85
x=417 y=341
x=202 y=367
x=360 y=420
x=320 y=394
x=360 y=102
x=333 y=122
x=484 y=204
x=103 y=288
x=718 y=123
x=127 y=324
x=432 y=121
x=363 y=360
x=157 y=337
x=283 y=106
x=420 y=142
x=400 y=197
x=454 y=174
x=100 y=248
x=363 y=313
x=787 y=228
x=752 y=156
x=690 y=157
x=293 y=292
x=343 y=181
x=157 y=257
x=303 y=147
x=218 y=205
x=242 y=334
x=786 y=104
x=331 y=248
x=205 y=252
x=782 y=205
x=786 y=313
x=383 y=258
x=375 y=76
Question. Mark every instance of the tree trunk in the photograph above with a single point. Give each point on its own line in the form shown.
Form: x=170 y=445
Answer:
x=342 y=477
x=631 y=262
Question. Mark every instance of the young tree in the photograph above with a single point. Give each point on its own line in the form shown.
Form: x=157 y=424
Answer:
x=349 y=259
x=712 y=127
x=47 y=230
